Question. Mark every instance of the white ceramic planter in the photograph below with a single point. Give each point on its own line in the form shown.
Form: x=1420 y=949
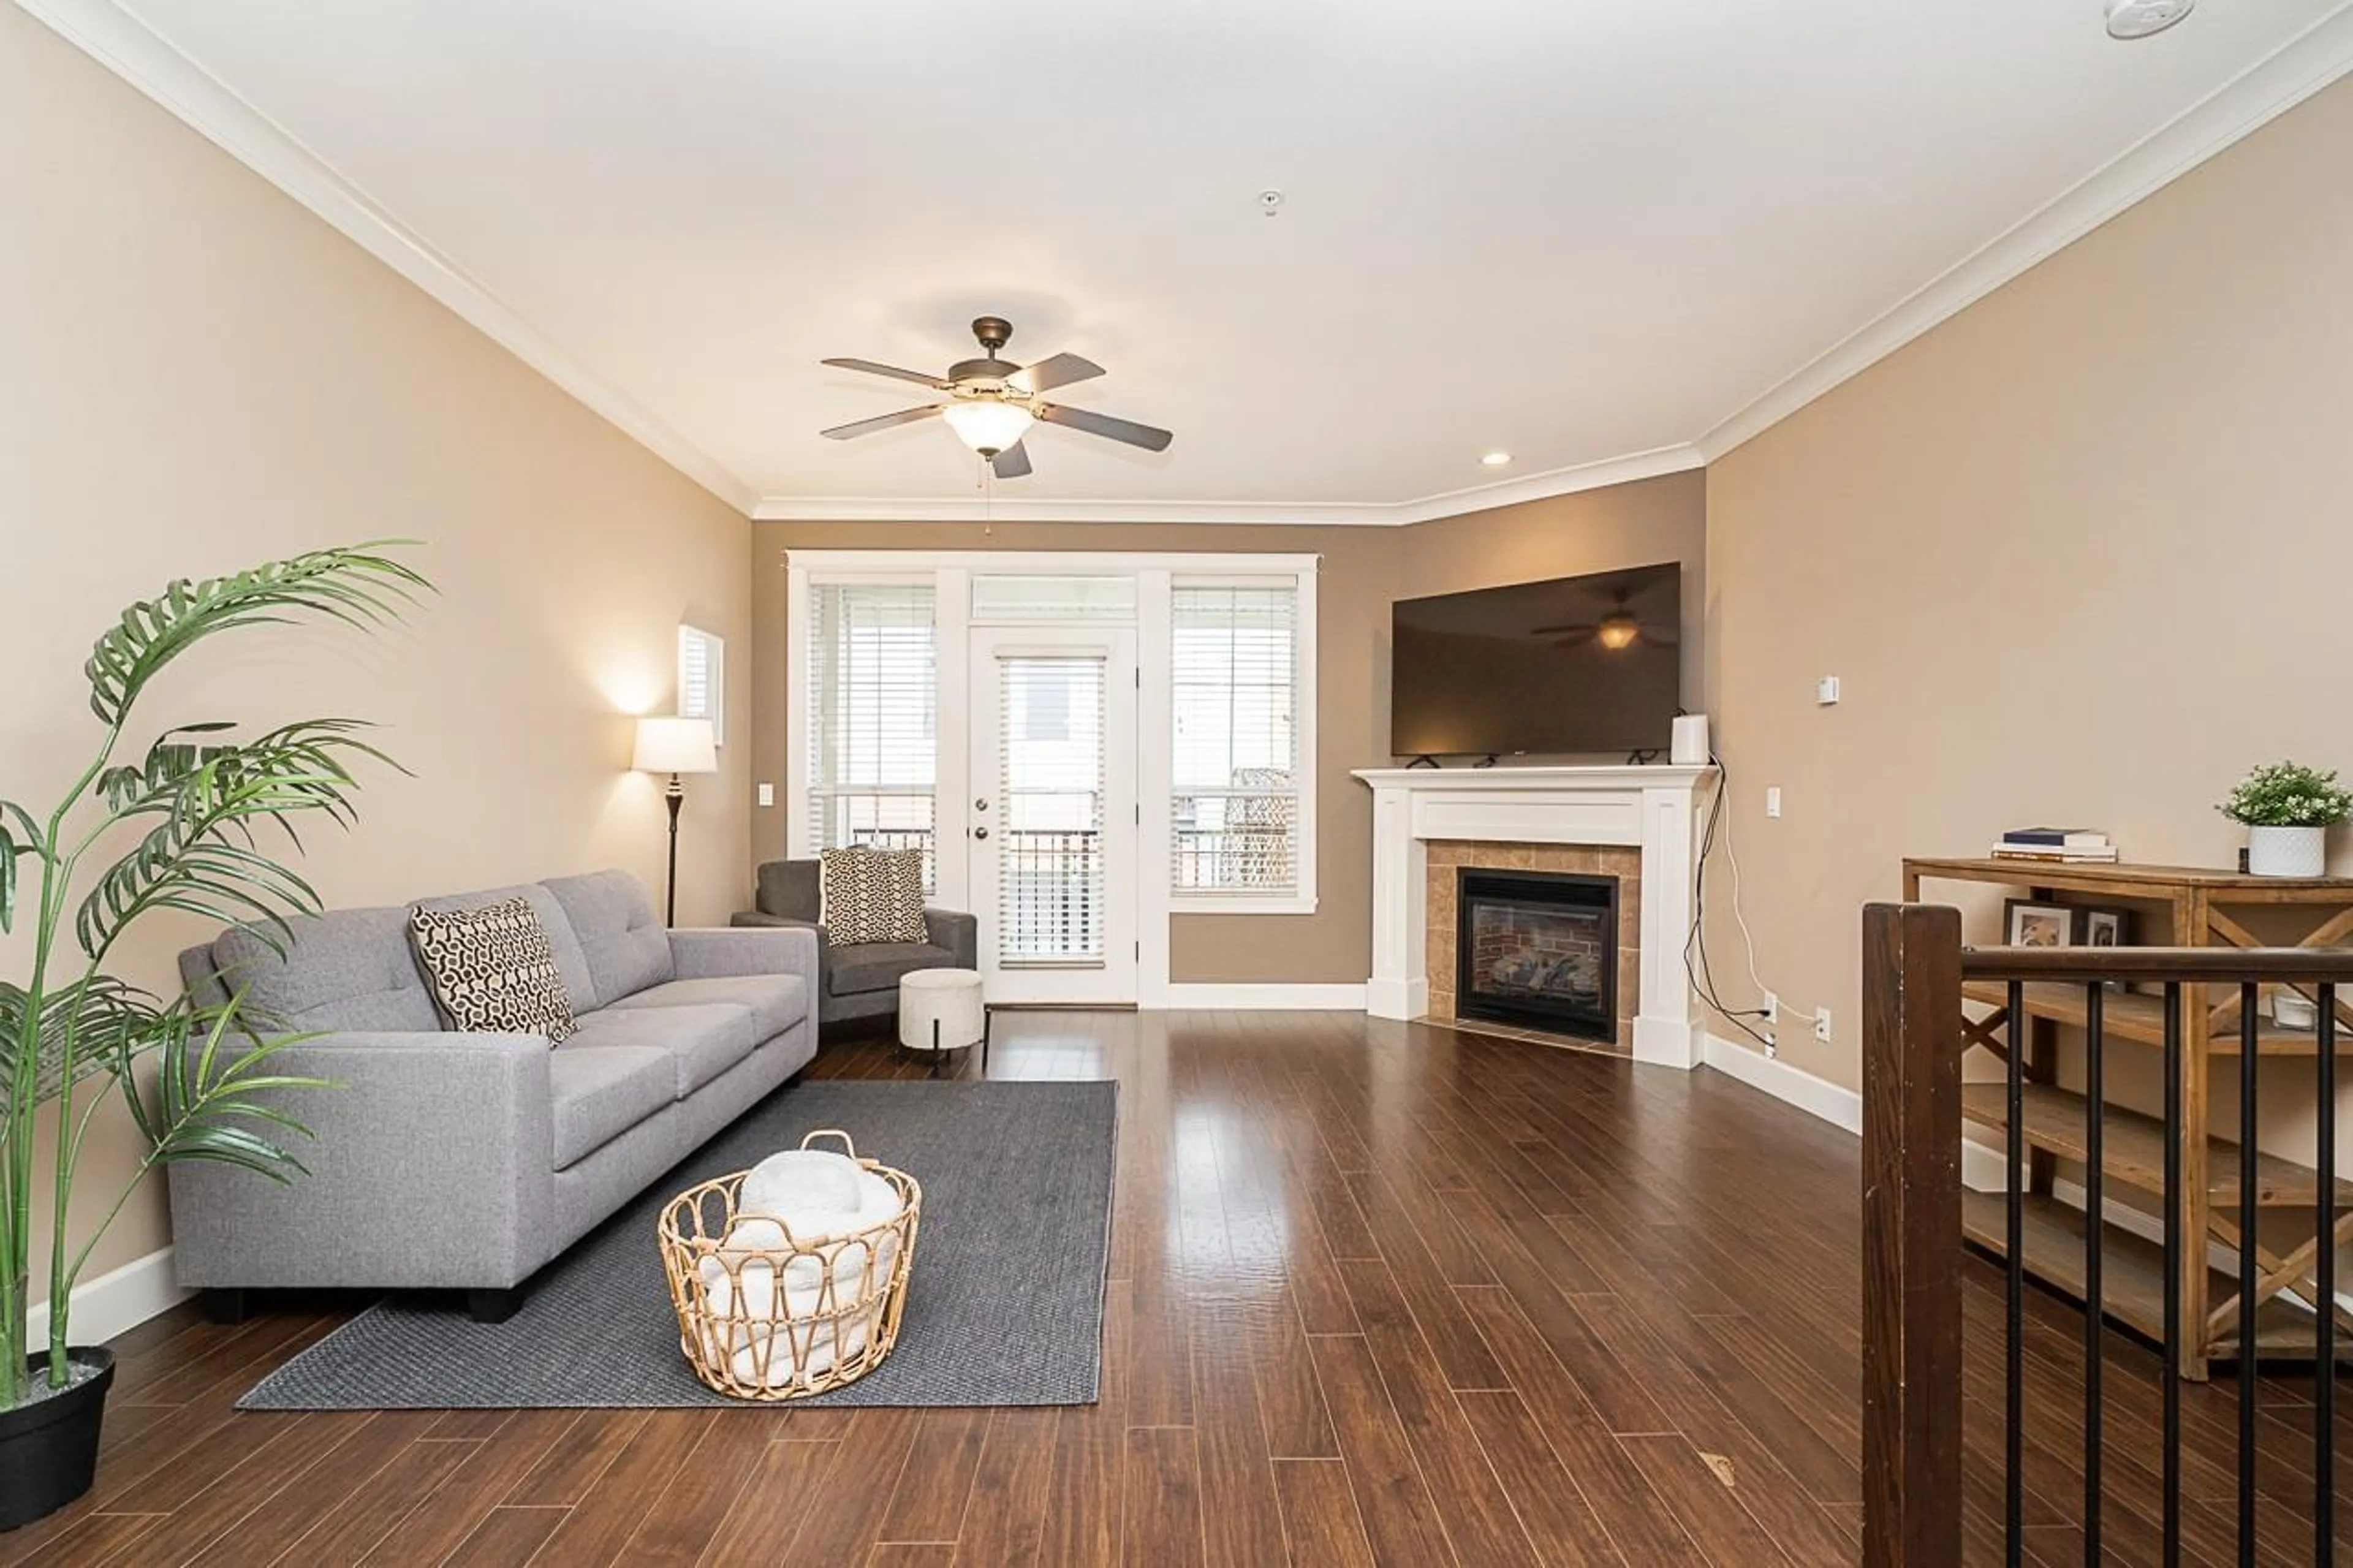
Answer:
x=2287 y=851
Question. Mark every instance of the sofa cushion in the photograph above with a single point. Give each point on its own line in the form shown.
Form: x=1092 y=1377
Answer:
x=348 y=969
x=598 y=1093
x=627 y=948
x=777 y=1002
x=876 y=965
x=873 y=895
x=491 y=969
x=704 y=1041
x=570 y=961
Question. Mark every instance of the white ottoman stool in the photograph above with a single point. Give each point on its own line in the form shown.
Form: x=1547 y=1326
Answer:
x=941 y=1010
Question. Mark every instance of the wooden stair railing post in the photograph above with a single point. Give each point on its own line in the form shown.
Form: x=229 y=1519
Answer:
x=1910 y=1236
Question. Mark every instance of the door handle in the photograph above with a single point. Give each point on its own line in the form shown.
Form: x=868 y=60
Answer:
x=980 y=833
x=980 y=805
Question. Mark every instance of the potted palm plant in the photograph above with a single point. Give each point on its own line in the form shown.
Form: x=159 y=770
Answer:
x=178 y=826
x=2287 y=809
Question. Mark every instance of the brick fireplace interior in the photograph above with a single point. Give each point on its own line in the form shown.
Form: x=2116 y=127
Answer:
x=1544 y=962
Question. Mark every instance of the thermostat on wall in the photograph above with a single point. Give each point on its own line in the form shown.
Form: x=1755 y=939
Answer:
x=1826 y=690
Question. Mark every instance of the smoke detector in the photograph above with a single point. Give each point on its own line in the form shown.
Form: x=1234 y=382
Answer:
x=2143 y=18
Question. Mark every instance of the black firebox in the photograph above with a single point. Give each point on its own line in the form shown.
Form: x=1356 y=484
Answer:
x=1539 y=949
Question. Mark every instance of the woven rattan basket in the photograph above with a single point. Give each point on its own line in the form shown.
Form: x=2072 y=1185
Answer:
x=836 y=1315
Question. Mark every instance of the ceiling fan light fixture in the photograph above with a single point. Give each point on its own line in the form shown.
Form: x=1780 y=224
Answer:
x=988 y=424
x=1617 y=631
x=2130 y=19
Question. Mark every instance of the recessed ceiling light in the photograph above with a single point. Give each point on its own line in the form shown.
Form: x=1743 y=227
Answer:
x=1495 y=460
x=2141 y=18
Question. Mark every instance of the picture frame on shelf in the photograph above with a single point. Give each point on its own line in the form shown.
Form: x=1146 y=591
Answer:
x=2101 y=925
x=2036 y=923
x=2105 y=927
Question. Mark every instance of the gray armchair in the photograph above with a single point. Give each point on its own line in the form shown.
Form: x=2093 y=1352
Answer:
x=860 y=981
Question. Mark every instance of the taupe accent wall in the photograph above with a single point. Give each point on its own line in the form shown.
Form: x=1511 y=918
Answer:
x=201 y=375
x=2079 y=554
x=1363 y=571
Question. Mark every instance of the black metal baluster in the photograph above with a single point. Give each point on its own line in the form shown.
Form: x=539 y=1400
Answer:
x=2171 y=1373
x=2248 y=1214
x=2014 y=1368
x=2096 y=1044
x=2324 y=1374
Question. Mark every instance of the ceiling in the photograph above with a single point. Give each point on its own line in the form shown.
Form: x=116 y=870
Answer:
x=1594 y=234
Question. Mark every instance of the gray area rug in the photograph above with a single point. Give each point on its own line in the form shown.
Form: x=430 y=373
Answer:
x=1003 y=1307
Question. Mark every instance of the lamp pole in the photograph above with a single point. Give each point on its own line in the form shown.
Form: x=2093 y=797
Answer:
x=673 y=798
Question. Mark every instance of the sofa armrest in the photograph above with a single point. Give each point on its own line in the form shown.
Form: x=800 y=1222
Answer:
x=958 y=933
x=783 y=949
x=432 y=1166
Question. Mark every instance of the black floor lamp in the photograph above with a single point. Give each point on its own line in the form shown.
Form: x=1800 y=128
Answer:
x=675 y=746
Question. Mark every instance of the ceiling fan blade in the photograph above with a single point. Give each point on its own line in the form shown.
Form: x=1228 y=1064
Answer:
x=1094 y=424
x=1568 y=627
x=1049 y=373
x=918 y=377
x=1012 y=463
x=879 y=422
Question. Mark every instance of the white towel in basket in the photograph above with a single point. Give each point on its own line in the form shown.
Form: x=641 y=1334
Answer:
x=816 y=1194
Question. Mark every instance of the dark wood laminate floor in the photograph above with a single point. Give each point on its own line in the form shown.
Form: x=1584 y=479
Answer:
x=1380 y=1293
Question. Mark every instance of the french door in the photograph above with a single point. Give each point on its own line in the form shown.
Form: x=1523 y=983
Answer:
x=1051 y=836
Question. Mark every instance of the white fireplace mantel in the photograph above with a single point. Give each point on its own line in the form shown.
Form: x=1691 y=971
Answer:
x=1655 y=808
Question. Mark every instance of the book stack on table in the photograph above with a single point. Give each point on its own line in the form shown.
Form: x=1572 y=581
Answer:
x=2073 y=845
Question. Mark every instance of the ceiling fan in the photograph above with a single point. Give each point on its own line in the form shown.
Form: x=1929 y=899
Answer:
x=993 y=402
x=1617 y=629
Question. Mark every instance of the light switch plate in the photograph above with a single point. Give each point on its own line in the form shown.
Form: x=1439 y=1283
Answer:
x=1772 y=800
x=1826 y=690
x=768 y=795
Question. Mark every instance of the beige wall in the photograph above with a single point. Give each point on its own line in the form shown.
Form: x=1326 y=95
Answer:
x=201 y=375
x=2079 y=554
x=1363 y=569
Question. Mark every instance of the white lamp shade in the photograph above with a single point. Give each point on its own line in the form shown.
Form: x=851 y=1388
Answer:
x=676 y=746
x=986 y=424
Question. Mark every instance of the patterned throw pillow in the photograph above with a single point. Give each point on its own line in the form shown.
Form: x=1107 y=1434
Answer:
x=492 y=969
x=873 y=895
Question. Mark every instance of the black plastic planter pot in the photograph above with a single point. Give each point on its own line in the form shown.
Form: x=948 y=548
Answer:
x=48 y=1449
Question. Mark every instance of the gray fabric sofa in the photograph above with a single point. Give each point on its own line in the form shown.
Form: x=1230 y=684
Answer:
x=468 y=1160
x=860 y=980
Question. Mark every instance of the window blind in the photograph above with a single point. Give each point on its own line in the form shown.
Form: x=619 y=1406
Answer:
x=1235 y=776
x=701 y=679
x=1049 y=855
x=874 y=752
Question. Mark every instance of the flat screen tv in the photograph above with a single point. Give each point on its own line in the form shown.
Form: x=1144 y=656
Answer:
x=1574 y=665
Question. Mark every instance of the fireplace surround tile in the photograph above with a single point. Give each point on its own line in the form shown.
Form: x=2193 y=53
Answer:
x=1447 y=857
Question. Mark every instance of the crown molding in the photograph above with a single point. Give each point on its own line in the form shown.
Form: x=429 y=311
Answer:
x=1337 y=515
x=150 y=63
x=2306 y=63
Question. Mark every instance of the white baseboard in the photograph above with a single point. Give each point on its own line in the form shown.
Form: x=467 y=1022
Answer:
x=116 y=1301
x=1336 y=997
x=1838 y=1106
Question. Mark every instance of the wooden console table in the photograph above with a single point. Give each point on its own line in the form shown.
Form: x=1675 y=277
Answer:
x=2205 y=907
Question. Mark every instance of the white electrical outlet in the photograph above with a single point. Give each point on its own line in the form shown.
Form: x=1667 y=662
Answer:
x=1822 y=1025
x=1772 y=800
x=1772 y=1006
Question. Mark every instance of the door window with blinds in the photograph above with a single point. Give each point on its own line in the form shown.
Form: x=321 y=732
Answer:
x=1051 y=782
x=872 y=719
x=1235 y=820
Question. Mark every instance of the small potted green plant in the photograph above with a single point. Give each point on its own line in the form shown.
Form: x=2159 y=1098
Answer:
x=178 y=826
x=2288 y=809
